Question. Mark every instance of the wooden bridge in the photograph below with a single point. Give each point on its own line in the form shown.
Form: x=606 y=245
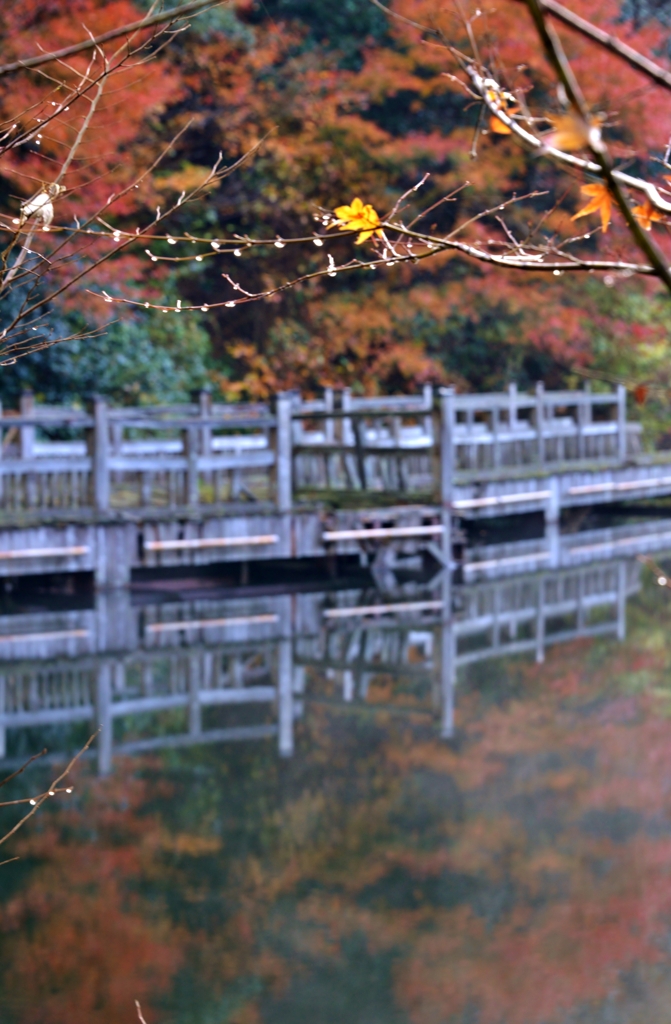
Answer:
x=215 y=670
x=113 y=490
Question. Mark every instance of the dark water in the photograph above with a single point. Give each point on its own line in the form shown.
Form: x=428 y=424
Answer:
x=499 y=853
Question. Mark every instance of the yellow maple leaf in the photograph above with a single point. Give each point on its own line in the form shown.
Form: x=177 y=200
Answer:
x=358 y=217
x=646 y=214
x=508 y=104
x=601 y=202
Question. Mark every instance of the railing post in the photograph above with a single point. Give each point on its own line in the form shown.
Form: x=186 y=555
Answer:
x=584 y=417
x=283 y=452
x=496 y=442
x=621 y=423
x=190 y=445
x=512 y=405
x=205 y=410
x=540 y=421
x=99 y=449
x=27 y=433
x=447 y=415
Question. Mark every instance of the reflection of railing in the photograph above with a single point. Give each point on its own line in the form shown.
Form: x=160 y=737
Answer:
x=206 y=671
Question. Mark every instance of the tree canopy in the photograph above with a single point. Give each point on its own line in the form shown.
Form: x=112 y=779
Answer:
x=343 y=101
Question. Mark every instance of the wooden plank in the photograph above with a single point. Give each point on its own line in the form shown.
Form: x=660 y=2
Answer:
x=237 y=620
x=55 y=634
x=382 y=609
x=502 y=499
x=62 y=552
x=384 y=532
x=210 y=542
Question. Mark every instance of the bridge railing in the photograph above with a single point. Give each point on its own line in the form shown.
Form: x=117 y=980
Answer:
x=497 y=431
x=203 y=454
x=382 y=443
x=150 y=457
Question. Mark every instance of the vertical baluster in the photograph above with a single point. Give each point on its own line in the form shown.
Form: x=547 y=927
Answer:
x=540 y=421
x=205 y=412
x=190 y=447
x=621 y=423
x=27 y=447
x=283 y=453
x=98 y=445
x=512 y=422
x=447 y=417
x=496 y=443
x=584 y=417
x=27 y=432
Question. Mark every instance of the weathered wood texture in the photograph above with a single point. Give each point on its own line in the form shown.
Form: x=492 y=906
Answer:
x=203 y=455
x=119 y=489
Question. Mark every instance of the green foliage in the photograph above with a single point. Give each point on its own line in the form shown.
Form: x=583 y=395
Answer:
x=148 y=358
x=346 y=26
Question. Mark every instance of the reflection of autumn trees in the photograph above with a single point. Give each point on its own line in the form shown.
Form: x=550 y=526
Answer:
x=522 y=874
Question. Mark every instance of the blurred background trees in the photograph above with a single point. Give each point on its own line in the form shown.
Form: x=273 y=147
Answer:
x=349 y=103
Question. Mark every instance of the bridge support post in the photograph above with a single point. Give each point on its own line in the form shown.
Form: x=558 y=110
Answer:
x=552 y=518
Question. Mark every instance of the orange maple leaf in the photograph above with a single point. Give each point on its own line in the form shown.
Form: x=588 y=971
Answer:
x=569 y=133
x=601 y=202
x=358 y=216
x=640 y=393
x=646 y=214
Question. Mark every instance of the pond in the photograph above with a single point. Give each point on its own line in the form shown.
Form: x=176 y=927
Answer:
x=305 y=811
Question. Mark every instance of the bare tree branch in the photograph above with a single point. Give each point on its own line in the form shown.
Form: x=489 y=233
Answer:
x=608 y=42
x=555 y=54
x=164 y=17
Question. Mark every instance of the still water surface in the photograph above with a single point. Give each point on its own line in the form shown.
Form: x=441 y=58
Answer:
x=428 y=823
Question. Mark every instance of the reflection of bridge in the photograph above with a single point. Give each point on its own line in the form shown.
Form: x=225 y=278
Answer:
x=174 y=674
x=117 y=490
